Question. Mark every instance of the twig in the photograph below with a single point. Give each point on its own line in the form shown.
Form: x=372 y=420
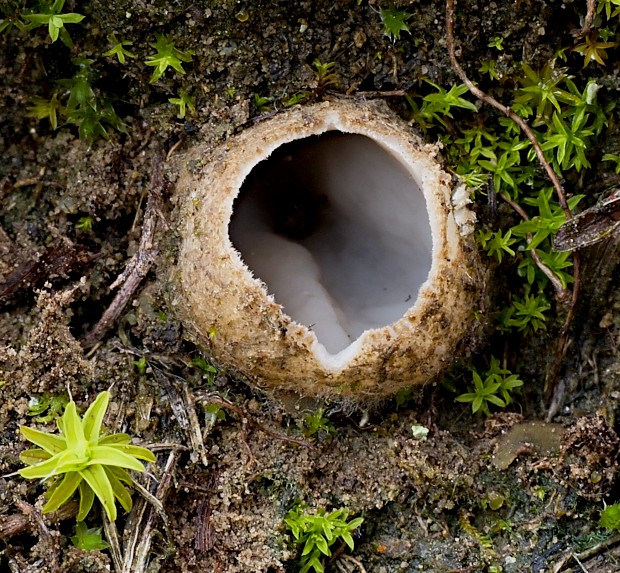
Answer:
x=350 y=559
x=35 y=181
x=111 y=535
x=560 y=291
x=184 y=410
x=195 y=434
x=214 y=399
x=35 y=516
x=377 y=93
x=141 y=263
x=551 y=400
x=17 y=563
x=587 y=23
x=18 y=523
x=29 y=511
x=588 y=553
x=580 y=563
x=563 y=340
x=139 y=561
x=504 y=109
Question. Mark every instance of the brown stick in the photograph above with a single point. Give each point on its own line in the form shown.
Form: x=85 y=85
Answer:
x=505 y=110
x=18 y=523
x=555 y=281
x=563 y=341
x=587 y=23
x=140 y=264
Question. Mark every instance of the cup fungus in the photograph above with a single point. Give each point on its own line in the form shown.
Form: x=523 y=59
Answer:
x=321 y=253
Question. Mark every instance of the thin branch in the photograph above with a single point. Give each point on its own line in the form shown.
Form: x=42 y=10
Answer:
x=184 y=410
x=139 y=562
x=504 y=109
x=140 y=527
x=111 y=535
x=352 y=560
x=580 y=563
x=587 y=23
x=378 y=94
x=560 y=291
x=18 y=523
x=563 y=341
x=141 y=263
x=44 y=534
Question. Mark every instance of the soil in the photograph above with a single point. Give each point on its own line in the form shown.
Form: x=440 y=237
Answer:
x=475 y=494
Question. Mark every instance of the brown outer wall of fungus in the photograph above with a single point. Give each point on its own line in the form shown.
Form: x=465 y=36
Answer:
x=210 y=287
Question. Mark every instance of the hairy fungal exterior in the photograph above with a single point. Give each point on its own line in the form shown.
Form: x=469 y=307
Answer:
x=320 y=254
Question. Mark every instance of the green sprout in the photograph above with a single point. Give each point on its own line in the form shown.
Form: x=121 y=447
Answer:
x=51 y=17
x=592 y=49
x=76 y=101
x=437 y=106
x=615 y=159
x=549 y=219
x=610 y=517
x=46 y=407
x=488 y=67
x=526 y=314
x=12 y=17
x=496 y=388
x=92 y=121
x=316 y=422
x=118 y=49
x=141 y=365
x=167 y=55
x=82 y=459
x=209 y=371
x=42 y=108
x=569 y=142
x=497 y=243
x=496 y=43
x=85 y=223
x=483 y=392
x=261 y=103
x=184 y=102
x=543 y=90
x=88 y=539
x=394 y=22
x=507 y=380
x=607 y=6
x=295 y=99
x=325 y=78
x=318 y=532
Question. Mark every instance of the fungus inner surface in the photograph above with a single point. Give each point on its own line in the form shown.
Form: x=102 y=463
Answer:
x=337 y=228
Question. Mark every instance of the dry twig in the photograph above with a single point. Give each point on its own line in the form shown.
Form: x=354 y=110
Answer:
x=560 y=291
x=44 y=534
x=587 y=23
x=184 y=410
x=141 y=263
x=504 y=109
x=355 y=562
x=563 y=341
x=19 y=523
x=205 y=532
x=137 y=560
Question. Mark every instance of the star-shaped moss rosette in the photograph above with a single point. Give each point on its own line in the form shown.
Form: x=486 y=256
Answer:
x=82 y=459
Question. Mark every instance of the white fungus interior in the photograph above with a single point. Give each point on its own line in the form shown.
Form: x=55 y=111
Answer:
x=337 y=228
